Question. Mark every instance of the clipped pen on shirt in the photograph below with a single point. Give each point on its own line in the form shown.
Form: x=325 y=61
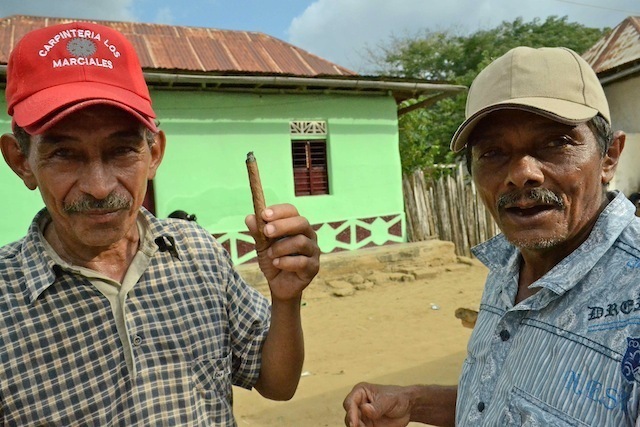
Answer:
x=257 y=195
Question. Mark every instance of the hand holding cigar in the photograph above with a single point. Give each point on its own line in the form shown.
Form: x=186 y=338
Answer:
x=289 y=257
x=257 y=195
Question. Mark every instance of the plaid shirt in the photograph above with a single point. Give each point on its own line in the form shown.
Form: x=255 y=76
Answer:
x=195 y=326
x=568 y=355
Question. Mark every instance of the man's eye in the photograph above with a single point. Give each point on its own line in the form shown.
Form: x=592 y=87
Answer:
x=124 y=150
x=62 y=153
x=558 y=142
x=489 y=154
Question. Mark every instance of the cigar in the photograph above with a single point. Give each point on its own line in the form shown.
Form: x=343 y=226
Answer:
x=257 y=195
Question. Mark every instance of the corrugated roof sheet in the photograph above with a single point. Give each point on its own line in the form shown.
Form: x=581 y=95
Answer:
x=191 y=49
x=617 y=50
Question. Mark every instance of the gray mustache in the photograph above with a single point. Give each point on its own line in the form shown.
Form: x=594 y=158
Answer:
x=538 y=195
x=87 y=203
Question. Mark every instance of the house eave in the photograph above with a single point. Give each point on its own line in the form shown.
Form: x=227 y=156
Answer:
x=295 y=84
x=400 y=90
x=621 y=74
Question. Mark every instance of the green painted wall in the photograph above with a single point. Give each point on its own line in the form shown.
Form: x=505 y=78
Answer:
x=209 y=135
x=19 y=203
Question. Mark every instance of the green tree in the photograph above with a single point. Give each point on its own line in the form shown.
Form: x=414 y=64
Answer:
x=425 y=133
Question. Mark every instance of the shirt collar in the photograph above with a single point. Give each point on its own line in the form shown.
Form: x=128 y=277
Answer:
x=40 y=268
x=37 y=265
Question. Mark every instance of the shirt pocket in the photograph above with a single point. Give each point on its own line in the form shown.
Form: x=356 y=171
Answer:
x=212 y=377
x=526 y=410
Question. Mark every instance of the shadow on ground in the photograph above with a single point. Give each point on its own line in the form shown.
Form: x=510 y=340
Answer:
x=327 y=406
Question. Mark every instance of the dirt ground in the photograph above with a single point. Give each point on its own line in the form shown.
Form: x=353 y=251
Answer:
x=393 y=323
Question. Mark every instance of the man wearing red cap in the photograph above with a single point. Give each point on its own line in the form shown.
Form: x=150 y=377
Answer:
x=557 y=339
x=109 y=316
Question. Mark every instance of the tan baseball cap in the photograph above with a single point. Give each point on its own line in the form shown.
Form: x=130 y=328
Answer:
x=551 y=81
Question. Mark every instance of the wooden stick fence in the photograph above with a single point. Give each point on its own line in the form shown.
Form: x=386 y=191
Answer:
x=448 y=208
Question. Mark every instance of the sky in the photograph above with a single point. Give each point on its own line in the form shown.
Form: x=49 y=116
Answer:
x=341 y=31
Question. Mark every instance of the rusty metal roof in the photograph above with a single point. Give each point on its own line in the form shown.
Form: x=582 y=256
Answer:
x=618 y=50
x=194 y=49
x=226 y=60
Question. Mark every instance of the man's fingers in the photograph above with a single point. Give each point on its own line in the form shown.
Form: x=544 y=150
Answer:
x=369 y=411
x=261 y=241
x=293 y=245
x=277 y=228
x=284 y=220
x=290 y=244
x=281 y=221
x=352 y=418
x=282 y=210
x=353 y=404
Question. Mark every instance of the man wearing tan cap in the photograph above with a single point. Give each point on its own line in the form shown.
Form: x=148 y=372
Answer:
x=109 y=316
x=557 y=339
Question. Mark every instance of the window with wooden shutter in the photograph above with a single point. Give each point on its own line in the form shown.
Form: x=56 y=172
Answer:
x=309 y=153
x=310 y=167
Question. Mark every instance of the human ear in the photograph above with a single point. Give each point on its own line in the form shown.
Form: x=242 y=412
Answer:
x=612 y=156
x=157 y=153
x=17 y=160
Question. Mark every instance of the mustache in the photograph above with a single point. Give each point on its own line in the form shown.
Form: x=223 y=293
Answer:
x=538 y=195
x=86 y=203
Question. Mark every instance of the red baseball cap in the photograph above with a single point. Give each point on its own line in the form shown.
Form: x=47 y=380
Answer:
x=54 y=71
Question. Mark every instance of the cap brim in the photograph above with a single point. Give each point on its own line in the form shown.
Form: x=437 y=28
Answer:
x=47 y=107
x=559 y=110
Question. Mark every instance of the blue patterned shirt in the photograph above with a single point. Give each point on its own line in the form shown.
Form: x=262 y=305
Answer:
x=195 y=328
x=568 y=355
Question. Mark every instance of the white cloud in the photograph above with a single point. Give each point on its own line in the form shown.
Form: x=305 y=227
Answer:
x=164 y=15
x=111 y=10
x=341 y=30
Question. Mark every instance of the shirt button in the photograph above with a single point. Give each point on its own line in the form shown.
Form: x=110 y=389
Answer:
x=137 y=340
x=504 y=335
x=480 y=406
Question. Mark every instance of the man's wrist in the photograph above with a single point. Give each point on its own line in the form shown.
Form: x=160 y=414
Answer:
x=432 y=404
